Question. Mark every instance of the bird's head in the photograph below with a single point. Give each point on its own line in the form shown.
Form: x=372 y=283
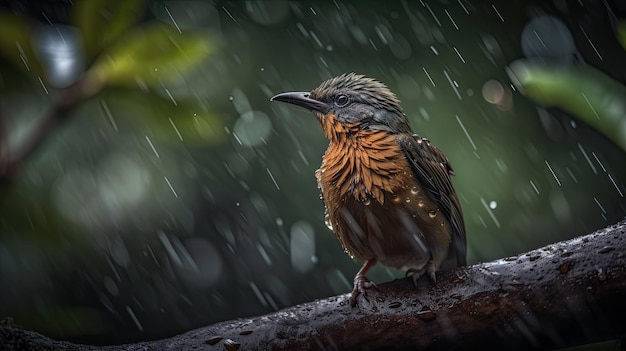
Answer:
x=352 y=100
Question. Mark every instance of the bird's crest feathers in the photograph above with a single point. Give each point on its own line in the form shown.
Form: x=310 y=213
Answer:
x=361 y=89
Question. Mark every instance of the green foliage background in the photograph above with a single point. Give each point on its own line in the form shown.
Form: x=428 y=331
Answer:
x=172 y=195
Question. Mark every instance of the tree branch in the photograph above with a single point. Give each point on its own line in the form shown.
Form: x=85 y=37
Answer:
x=64 y=101
x=564 y=294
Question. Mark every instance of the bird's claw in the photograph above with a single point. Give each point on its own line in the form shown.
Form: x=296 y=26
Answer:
x=361 y=285
x=416 y=274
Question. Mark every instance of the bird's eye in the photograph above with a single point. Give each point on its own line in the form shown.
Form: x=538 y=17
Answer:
x=342 y=100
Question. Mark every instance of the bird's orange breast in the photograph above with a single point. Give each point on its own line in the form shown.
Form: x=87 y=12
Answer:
x=373 y=201
x=363 y=163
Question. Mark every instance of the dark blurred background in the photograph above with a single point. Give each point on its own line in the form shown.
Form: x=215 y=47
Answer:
x=119 y=228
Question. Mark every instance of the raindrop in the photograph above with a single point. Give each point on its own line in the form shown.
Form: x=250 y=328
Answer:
x=493 y=91
x=432 y=213
x=152 y=146
x=414 y=190
x=491 y=48
x=201 y=263
x=395 y=198
x=552 y=172
x=548 y=38
x=264 y=254
x=110 y=285
x=169 y=249
x=428 y=75
x=214 y=339
x=426 y=314
x=395 y=304
x=267 y=12
x=358 y=35
x=258 y=293
x=534 y=187
x=231 y=345
x=599 y=205
x=466 y=132
x=493 y=204
x=60 y=52
x=490 y=212
x=327 y=220
x=367 y=202
x=383 y=33
x=502 y=165
x=429 y=94
x=408 y=87
x=107 y=112
x=453 y=84
x=432 y=14
x=240 y=101
x=302 y=246
x=186 y=14
x=272 y=178
x=560 y=206
x=169 y=184
x=119 y=252
x=400 y=47
x=237 y=164
x=134 y=318
x=73 y=195
x=122 y=184
x=615 y=185
x=253 y=128
x=190 y=170
x=606 y=249
x=497 y=12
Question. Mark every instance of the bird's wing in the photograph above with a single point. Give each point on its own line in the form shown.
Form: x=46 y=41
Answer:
x=433 y=170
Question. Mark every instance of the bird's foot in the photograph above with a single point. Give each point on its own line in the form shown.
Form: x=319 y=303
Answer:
x=416 y=274
x=361 y=286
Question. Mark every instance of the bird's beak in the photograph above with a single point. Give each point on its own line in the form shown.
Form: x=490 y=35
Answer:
x=301 y=99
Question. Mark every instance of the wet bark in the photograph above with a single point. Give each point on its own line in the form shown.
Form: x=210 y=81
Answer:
x=568 y=293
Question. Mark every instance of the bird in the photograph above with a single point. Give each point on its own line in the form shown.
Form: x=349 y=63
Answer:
x=387 y=191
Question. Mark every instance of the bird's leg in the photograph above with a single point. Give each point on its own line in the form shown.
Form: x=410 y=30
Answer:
x=430 y=269
x=361 y=283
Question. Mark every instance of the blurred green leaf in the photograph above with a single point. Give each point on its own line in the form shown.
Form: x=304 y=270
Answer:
x=185 y=123
x=190 y=128
x=583 y=91
x=150 y=55
x=102 y=21
x=15 y=43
